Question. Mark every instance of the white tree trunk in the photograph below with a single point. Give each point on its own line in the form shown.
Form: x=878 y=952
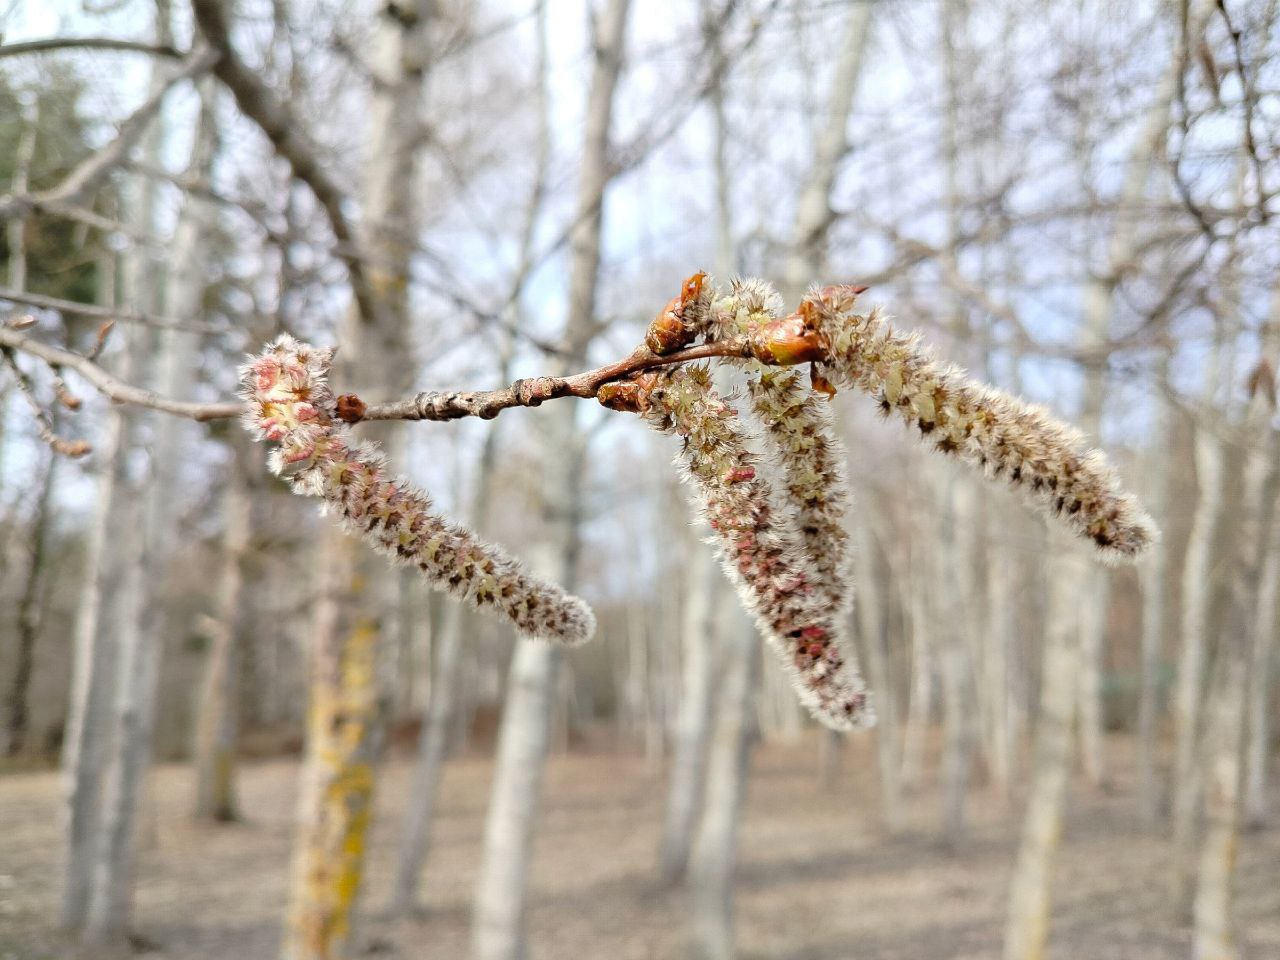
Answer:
x=1155 y=598
x=498 y=919
x=215 y=735
x=713 y=859
x=1213 y=937
x=1196 y=597
x=1027 y=926
x=92 y=674
x=697 y=701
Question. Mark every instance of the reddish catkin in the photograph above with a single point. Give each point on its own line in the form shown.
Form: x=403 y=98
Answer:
x=759 y=552
x=1050 y=463
x=289 y=403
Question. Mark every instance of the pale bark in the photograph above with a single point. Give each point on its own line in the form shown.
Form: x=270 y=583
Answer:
x=921 y=674
x=1027 y=925
x=1213 y=935
x=1099 y=294
x=84 y=742
x=1196 y=626
x=813 y=208
x=350 y=684
x=215 y=734
x=1155 y=600
x=1264 y=617
x=143 y=544
x=713 y=859
x=498 y=931
x=697 y=700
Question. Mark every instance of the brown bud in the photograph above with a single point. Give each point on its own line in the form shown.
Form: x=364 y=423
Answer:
x=628 y=396
x=692 y=288
x=350 y=408
x=667 y=332
x=821 y=383
x=70 y=448
x=788 y=340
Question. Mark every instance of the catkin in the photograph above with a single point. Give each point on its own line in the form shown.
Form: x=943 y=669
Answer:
x=1023 y=446
x=758 y=549
x=289 y=403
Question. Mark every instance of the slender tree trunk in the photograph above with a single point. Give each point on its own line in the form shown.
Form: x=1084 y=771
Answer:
x=697 y=703
x=29 y=612
x=215 y=736
x=1213 y=937
x=351 y=688
x=1196 y=596
x=1264 y=618
x=499 y=915
x=713 y=860
x=1155 y=599
x=1266 y=621
x=84 y=742
x=1027 y=926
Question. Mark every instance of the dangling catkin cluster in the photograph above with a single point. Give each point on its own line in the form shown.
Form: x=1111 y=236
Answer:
x=1048 y=461
x=290 y=403
x=801 y=440
x=757 y=548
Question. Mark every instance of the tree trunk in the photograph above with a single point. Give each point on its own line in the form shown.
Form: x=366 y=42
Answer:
x=1155 y=598
x=29 y=612
x=150 y=520
x=92 y=674
x=1213 y=938
x=1196 y=595
x=697 y=701
x=215 y=737
x=350 y=683
x=713 y=860
x=498 y=918
x=1027 y=926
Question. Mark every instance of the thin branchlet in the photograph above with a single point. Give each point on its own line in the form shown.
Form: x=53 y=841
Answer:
x=288 y=402
x=757 y=547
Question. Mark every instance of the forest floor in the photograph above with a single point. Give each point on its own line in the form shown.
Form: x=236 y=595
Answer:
x=818 y=879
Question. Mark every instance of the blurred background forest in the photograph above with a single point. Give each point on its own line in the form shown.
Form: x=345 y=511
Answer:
x=1077 y=201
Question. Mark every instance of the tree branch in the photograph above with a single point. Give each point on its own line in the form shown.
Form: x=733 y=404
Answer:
x=260 y=104
x=430 y=405
x=54 y=44
x=97 y=312
x=86 y=177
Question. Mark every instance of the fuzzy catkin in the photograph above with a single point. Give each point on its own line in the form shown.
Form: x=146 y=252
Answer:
x=798 y=430
x=289 y=403
x=1051 y=463
x=758 y=549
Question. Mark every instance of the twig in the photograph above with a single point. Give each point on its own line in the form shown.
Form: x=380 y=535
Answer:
x=77 y=186
x=430 y=405
x=282 y=128
x=54 y=44
x=106 y=313
x=44 y=425
x=110 y=386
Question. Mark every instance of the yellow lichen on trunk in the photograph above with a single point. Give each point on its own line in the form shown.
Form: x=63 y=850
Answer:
x=337 y=803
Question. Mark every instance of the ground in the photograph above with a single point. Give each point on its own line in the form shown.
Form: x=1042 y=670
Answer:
x=819 y=879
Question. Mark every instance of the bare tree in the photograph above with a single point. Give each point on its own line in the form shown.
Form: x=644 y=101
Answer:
x=499 y=917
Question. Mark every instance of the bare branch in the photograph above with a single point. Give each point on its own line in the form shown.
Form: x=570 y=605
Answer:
x=260 y=104
x=55 y=44
x=78 y=185
x=106 y=313
x=44 y=424
x=112 y=387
